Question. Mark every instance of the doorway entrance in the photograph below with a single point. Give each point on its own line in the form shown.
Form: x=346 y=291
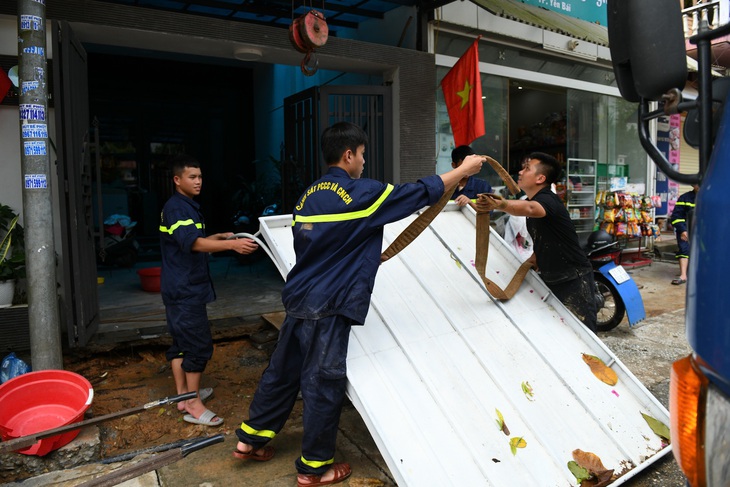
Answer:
x=148 y=109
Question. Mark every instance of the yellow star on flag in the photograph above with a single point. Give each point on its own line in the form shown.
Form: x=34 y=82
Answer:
x=464 y=94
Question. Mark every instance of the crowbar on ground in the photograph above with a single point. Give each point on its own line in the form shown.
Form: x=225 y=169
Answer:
x=29 y=440
x=152 y=463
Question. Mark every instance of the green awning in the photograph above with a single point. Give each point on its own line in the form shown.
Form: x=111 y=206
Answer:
x=547 y=19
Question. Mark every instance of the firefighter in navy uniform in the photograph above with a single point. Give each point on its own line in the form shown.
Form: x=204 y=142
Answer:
x=186 y=286
x=681 y=219
x=338 y=233
x=468 y=188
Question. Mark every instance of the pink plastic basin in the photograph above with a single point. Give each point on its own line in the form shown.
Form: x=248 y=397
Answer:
x=40 y=401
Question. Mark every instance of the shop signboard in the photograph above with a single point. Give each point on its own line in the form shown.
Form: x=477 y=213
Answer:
x=593 y=11
x=668 y=142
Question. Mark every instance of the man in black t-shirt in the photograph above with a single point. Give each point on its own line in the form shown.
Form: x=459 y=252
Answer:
x=558 y=256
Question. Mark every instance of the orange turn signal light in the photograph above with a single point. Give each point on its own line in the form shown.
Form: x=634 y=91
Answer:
x=687 y=400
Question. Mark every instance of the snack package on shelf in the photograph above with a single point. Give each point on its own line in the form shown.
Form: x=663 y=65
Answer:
x=609 y=200
x=626 y=200
x=631 y=215
x=646 y=203
x=600 y=198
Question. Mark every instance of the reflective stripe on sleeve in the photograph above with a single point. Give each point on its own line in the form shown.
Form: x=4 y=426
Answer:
x=352 y=215
x=181 y=223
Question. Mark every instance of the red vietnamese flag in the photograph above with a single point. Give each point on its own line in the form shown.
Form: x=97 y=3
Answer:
x=462 y=87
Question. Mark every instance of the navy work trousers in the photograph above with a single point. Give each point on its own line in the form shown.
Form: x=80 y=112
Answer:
x=191 y=336
x=310 y=355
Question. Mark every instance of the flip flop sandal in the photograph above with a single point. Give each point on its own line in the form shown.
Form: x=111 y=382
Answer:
x=266 y=454
x=204 y=395
x=342 y=471
x=208 y=418
x=677 y=282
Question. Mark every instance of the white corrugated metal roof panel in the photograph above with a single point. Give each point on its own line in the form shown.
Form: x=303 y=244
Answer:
x=437 y=357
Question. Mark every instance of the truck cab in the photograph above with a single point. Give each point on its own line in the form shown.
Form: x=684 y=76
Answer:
x=649 y=59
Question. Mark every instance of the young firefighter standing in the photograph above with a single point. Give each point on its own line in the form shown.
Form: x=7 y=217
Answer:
x=558 y=257
x=186 y=285
x=681 y=219
x=338 y=237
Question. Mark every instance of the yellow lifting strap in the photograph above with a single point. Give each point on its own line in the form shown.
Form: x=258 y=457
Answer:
x=482 y=238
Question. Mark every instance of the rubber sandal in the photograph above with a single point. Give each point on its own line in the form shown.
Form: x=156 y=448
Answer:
x=204 y=395
x=266 y=454
x=342 y=471
x=677 y=282
x=208 y=418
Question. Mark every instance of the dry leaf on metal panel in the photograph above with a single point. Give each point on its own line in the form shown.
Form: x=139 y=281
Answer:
x=600 y=475
x=579 y=472
x=661 y=429
x=515 y=443
x=500 y=422
x=604 y=373
x=527 y=390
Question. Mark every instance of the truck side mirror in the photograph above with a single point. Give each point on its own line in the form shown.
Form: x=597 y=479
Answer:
x=646 y=40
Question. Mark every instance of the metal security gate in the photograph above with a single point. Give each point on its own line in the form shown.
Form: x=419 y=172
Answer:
x=79 y=302
x=308 y=113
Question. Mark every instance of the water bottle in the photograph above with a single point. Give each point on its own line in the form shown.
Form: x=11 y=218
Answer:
x=11 y=367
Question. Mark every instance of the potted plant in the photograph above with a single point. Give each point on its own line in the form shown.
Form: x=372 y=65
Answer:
x=12 y=254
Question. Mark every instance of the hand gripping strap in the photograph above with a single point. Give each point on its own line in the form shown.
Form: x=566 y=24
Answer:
x=482 y=239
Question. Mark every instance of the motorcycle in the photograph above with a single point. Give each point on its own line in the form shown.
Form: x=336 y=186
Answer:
x=616 y=292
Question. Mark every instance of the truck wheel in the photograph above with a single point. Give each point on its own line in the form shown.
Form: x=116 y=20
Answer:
x=613 y=310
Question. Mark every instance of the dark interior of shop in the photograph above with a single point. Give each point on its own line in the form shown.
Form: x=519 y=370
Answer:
x=537 y=121
x=148 y=109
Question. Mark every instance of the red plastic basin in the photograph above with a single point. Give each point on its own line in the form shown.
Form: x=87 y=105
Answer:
x=43 y=400
x=150 y=279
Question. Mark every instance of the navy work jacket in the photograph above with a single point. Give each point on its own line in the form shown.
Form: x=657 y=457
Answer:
x=338 y=238
x=472 y=188
x=185 y=276
x=684 y=208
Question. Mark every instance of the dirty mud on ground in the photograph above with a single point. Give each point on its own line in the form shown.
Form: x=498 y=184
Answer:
x=127 y=377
